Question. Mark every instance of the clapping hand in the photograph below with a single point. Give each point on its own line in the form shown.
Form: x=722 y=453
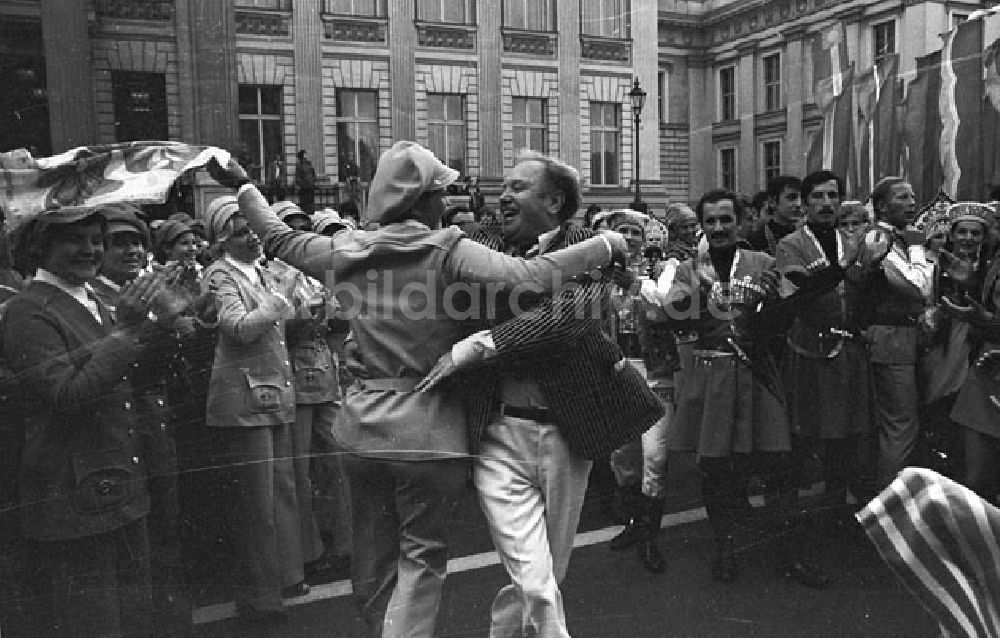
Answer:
x=961 y=270
x=135 y=302
x=769 y=281
x=160 y=293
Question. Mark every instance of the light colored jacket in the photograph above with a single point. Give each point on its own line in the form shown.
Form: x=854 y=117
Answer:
x=251 y=384
x=399 y=336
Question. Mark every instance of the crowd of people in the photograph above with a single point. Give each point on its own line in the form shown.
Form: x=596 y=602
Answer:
x=324 y=395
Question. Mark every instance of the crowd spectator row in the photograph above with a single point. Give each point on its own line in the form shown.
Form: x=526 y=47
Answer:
x=192 y=378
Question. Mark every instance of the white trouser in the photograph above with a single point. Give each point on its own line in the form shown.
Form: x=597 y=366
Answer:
x=531 y=487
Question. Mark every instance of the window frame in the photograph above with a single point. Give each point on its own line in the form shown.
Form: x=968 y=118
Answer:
x=381 y=8
x=764 y=159
x=720 y=167
x=449 y=125
x=357 y=121
x=772 y=86
x=621 y=10
x=891 y=24
x=528 y=127
x=156 y=107
x=602 y=130
x=663 y=93
x=468 y=7
x=730 y=68
x=550 y=13
x=264 y=5
x=260 y=117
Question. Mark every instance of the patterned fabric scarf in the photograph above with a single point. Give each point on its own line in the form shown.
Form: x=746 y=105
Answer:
x=91 y=176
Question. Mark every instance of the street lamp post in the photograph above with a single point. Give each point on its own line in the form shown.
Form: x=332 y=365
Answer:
x=637 y=97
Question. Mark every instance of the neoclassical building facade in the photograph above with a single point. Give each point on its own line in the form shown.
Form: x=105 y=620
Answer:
x=728 y=82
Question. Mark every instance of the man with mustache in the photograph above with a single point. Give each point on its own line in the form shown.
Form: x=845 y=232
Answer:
x=826 y=363
x=895 y=297
x=732 y=411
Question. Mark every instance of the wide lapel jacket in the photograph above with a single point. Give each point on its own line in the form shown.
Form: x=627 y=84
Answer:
x=598 y=400
x=251 y=384
x=82 y=469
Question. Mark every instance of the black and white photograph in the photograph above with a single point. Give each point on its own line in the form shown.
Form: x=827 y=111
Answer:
x=499 y=318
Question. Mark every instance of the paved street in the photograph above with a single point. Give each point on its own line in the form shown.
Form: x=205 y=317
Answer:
x=609 y=594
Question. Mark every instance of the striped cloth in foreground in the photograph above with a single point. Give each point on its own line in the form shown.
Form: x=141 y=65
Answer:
x=941 y=540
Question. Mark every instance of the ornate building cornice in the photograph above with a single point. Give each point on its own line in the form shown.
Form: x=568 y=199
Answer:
x=738 y=21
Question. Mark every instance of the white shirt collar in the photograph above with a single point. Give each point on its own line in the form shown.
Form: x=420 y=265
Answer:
x=250 y=270
x=543 y=242
x=82 y=293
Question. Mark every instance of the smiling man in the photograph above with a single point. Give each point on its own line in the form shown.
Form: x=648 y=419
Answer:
x=554 y=392
x=732 y=411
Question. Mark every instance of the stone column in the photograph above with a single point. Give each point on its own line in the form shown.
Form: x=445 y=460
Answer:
x=307 y=34
x=746 y=91
x=701 y=112
x=645 y=62
x=793 y=152
x=402 y=69
x=69 y=74
x=569 y=82
x=489 y=39
x=206 y=52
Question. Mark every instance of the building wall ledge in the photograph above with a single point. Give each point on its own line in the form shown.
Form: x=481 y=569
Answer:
x=368 y=30
x=599 y=49
x=533 y=43
x=726 y=130
x=770 y=122
x=446 y=36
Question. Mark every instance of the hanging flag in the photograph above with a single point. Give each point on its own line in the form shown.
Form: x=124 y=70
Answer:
x=829 y=53
x=885 y=131
x=875 y=100
x=865 y=96
x=921 y=128
x=960 y=105
x=137 y=172
x=831 y=147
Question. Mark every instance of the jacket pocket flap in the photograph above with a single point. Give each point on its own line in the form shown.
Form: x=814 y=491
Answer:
x=265 y=391
x=105 y=480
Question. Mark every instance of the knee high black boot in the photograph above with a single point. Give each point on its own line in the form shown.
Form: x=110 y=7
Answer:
x=649 y=551
x=720 y=516
x=633 y=504
x=789 y=563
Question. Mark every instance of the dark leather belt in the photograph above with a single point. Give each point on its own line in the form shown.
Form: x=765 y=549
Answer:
x=541 y=415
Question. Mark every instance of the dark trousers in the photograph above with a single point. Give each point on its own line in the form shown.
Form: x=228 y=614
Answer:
x=95 y=586
x=401 y=512
x=307 y=198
